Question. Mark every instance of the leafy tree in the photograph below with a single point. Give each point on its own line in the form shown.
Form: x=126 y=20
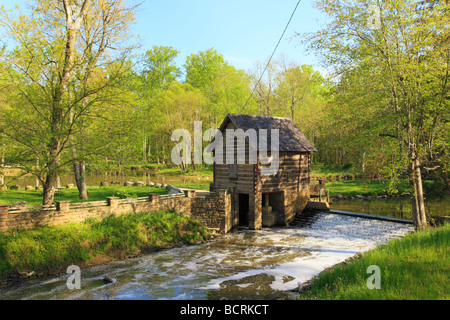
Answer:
x=159 y=70
x=403 y=60
x=58 y=55
x=226 y=88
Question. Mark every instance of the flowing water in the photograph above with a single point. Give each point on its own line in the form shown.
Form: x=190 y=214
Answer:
x=243 y=264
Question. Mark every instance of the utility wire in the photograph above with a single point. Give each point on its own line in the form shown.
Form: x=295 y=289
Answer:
x=270 y=59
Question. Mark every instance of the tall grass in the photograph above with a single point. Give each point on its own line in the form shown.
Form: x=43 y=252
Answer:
x=414 y=267
x=54 y=247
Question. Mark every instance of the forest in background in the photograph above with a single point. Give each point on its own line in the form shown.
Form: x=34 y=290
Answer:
x=78 y=92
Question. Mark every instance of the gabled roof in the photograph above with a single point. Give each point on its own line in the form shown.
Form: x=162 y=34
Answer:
x=291 y=138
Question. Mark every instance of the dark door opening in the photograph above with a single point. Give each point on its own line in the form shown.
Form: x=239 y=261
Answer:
x=244 y=201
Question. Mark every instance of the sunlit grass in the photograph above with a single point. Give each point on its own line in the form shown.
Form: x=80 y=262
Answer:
x=414 y=267
x=50 y=247
x=364 y=187
x=34 y=197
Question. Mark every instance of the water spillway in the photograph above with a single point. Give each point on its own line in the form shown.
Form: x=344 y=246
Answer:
x=243 y=264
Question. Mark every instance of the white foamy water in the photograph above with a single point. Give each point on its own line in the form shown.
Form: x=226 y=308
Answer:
x=239 y=265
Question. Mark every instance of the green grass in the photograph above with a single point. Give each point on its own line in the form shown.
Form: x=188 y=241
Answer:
x=414 y=267
x=34 y=197
x=319 y=170
x=198 y=186
x=55 y=247
x=364 y=187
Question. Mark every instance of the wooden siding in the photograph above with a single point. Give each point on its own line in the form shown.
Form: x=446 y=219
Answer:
x=293 y=173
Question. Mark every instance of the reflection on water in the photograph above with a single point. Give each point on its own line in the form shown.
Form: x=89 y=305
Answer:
x=240 y=265
x=94 y=180
x=396 y=208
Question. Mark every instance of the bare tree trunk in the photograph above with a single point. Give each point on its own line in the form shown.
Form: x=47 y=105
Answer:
x=79 y=171
x=363 y=157
x=52 y=177
x=144 y=146
x=149 y=148
x=49 y=189
x=419 y=202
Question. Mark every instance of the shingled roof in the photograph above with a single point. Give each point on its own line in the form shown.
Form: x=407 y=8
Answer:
x=291 y=138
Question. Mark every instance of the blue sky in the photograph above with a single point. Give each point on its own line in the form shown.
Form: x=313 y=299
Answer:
x=243 y=31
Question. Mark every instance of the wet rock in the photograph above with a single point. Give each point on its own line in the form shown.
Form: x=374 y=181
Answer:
x=26 y=274
x=287 y=278
x=108 y=279
x=173 y=191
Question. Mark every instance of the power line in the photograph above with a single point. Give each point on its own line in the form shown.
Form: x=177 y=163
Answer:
x=270 y=59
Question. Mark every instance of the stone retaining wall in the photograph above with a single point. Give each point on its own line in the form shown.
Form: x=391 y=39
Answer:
x=212 y=210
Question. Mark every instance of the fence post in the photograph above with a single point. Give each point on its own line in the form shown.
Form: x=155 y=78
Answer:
x=3 y=216
x=62 y=205
x=189 y=193
x=112 y=202
x=153 y=198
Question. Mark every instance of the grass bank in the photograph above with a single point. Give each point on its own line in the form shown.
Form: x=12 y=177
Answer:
x=34 y=197
x=50 y=249
x=377 y=187
x=414 y=267
x=364 y=187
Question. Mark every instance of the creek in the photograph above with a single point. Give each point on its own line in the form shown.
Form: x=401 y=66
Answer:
x=243 y=264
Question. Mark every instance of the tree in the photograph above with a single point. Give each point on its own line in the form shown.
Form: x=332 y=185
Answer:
x=160 y=70
x=60 y=51
x=158 y=74
x=404 y=57
x=265 y=85
x=178 y=108
x=226 y=88
x=299 y=94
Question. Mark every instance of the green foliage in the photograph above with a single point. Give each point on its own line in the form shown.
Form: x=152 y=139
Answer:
x=226 y=88
x=389 y=103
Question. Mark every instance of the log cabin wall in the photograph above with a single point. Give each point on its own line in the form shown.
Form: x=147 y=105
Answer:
x=284 y=193
x=243 y=179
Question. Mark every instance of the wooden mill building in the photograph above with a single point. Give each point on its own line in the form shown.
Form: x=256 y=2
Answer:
x=266 y=200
